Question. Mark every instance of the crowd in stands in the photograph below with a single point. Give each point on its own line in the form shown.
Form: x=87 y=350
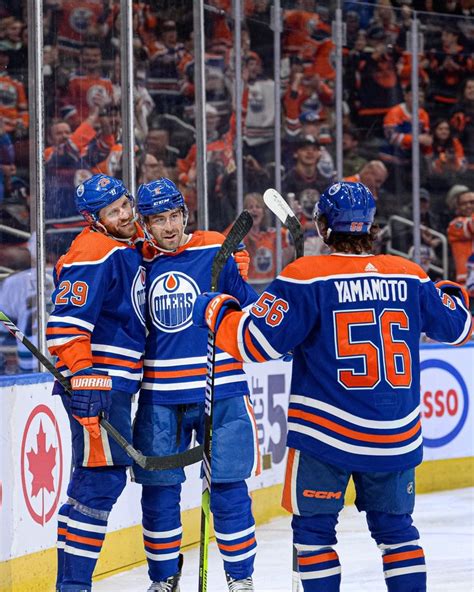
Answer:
x=83 y=115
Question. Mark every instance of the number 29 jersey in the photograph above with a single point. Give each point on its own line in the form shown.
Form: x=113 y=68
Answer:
x=354 y=324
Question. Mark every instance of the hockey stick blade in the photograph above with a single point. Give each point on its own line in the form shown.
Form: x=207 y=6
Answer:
x=150 y=463
x=275 y=202
x=236 y=234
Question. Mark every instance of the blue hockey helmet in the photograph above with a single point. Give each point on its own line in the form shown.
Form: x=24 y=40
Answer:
x=348 y=207
x=159 y=196
x=96 y=193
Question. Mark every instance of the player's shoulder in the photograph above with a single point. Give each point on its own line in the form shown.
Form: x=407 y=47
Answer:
x=91 y=247
x=206 y=238
x=393 y=264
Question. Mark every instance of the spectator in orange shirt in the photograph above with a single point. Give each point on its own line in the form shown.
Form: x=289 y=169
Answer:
x=461 y=234
x=446 y=155
x=13 y=103
x=260 y=242
x=87 y=84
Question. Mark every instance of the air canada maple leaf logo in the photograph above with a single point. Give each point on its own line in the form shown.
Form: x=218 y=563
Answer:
x=41 y=464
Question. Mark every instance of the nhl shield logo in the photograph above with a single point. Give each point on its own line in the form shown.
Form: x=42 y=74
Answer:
x=171 y=301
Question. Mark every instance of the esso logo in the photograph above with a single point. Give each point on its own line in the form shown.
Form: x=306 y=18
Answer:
x=171 y=299
x=41 y=464
x=444 y=402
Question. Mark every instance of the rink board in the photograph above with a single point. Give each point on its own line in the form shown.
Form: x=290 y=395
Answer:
x=35 y=463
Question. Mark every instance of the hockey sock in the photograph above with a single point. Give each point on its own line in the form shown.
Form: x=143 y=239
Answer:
x=320 y=570
x=63 y=516
x=84 y=537
x=162 y=531
x=234 y=527
x=403 y=559
x=404 y=568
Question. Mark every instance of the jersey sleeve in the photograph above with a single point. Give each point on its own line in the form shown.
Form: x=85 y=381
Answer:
x=276 y=323
x=77 y=300
x=232 y=283
x=445 y=318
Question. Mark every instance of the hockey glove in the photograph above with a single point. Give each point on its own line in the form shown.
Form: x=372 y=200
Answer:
x=242 y=259
x=453 y=289
x=211 y=307
x=91 y=398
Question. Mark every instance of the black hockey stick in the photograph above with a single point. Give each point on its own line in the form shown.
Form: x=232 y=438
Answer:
x=150 y=463
x=275 y=202
x=236 y=234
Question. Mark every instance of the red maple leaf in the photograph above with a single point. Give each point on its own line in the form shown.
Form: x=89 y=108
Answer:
x=41 y=464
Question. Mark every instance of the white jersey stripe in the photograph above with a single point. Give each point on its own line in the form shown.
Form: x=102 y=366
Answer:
x=85 y=527
x=162 y=534
x=352 y=448
x=81 y=552
x=71 y=321
x=109 y=254
x=467 y=325
x=323 y=573
x=163 y=556
x=111 y=349
x=403 y=571
x=241 y=557
x=180 y=386
x=191 y=361
x=256 y=450
x=62 y=340
x=293 y=490
x=262 y=341
x=357 y=276
x=355 y=419
x=234 y=535
x=240 y=339
x=384 y=547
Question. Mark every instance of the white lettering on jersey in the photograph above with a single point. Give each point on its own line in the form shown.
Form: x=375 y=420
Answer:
x=170 y=301
x=371 y=289
x=138 y=294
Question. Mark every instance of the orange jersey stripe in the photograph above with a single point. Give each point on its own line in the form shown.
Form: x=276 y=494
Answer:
x=96 y=452
x=66 y=330
x=226 y=337
x=238 y=546
x=171 y=545
x=116 y=362
x=383 y=439
x=318 y=559
x=62 y=530
x=84 y=540
x=258 y=470
x=403 y=556
x=252 y=349
x=191 y=372
x=286 y=498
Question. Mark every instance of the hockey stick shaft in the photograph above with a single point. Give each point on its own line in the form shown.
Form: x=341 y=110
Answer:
x=146 y=462
x=276 y=203
x=236 y=234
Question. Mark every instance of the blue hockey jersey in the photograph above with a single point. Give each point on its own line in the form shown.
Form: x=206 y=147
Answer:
x=354 y=325
x=176 y=350
x=99 y=309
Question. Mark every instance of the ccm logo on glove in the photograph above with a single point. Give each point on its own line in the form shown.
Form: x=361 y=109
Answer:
x=214 y=306
x=79 y=383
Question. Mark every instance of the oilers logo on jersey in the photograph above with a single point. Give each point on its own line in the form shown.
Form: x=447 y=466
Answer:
x=138 y=294
x=171 y=300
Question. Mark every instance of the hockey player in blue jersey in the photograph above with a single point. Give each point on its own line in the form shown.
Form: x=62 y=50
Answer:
x=97 y=331
x=171 y=403
x=353 y=321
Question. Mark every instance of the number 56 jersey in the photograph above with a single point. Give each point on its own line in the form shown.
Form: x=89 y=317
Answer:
x=354 y=324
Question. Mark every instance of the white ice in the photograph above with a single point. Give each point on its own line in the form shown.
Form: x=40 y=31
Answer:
x=445 y=520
